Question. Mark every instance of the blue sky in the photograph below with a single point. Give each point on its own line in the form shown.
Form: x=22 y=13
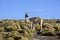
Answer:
x=16 y=9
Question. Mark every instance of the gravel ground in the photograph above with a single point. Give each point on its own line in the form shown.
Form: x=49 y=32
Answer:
x=44 y=38
x=38 y=37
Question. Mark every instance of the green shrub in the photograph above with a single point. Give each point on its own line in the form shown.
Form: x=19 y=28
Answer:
x=27 y=35
x=11 y=28
x=52 y=30
x=1 y=29
x=10 y=38
x=37 y=26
